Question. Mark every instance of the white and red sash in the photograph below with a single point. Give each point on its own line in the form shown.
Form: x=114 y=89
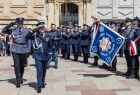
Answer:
x=133 y=49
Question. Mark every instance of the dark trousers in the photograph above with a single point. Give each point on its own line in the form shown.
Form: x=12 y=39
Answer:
x=41 y=67
x=67 y=50
x=135 y=65
x=85 y=51
x=55 y=55
x=96 y=59
x=121 y=51
x=63 y=50
x=26 y=59
x=75 y=49
x=19 y=61
x=128 y=61
x=114 y=63
x=8 y=50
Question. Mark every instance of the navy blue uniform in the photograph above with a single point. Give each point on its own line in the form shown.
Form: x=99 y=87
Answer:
x=131 y=34
x=41 y=54
x=85 y=37
x=19 y=49
x=56 y=38
x=66 y=46
x=75 y=41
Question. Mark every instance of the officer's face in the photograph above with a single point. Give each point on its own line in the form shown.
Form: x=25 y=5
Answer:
x=20 y=24
x=63 y=29
x=72 y=29
x=135 y=22
x=42 y=30
x=68 y=30
x=85 y=27
x=113 y=26
x=76 y=29
x=128 y=24
x=53 y=26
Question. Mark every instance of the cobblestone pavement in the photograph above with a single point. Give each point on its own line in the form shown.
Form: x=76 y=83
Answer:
x=71 y=78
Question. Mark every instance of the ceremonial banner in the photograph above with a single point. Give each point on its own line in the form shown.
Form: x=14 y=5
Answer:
x=105 y=43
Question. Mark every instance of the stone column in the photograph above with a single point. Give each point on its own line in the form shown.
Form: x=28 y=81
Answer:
x=80 y=14
x=89 y=13
x=57 y=7
x=6 y=7
x=115 y=9
x=136 y=8
x=94 y=8
x=50 y=14
x=84 y=13
x=30 y=8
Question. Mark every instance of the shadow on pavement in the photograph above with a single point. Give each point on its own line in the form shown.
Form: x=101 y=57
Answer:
x=96 y=75
x=32 y=85
x=116 y=73
x=12 y=80
x=32 y=65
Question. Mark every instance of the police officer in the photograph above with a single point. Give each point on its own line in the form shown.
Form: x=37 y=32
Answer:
x=85 y=36
x=127 y=35
x=113 y=27
x=66 y=36
x=135 y=58
x=62 y=42
x=130 y=35
x=75 y=36
x=41 y=53
x=19 y=47
x=56 y=38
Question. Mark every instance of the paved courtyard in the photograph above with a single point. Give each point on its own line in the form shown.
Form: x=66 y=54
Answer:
x=71 y=78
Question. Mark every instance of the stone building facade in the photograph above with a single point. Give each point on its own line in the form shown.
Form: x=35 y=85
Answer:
x=67 y=12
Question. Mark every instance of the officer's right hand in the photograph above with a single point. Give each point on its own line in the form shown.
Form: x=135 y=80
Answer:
x=34 y=30
x=12 y=23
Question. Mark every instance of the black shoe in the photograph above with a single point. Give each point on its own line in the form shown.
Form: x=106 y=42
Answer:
x=39 y=90
x=25 y=65
x=43 y=86
x=17 y=85
x=56 y=67
x=48 y=67
x=21 y=81
x=126 y=74
x=112 y=69
x=130 y=76
x=95 y=64
x=137 y=76
x=103 y=66
x=68 y=58
x=86 y=62
x=120 y=55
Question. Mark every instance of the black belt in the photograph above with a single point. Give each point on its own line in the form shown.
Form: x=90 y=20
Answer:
x=20 y=43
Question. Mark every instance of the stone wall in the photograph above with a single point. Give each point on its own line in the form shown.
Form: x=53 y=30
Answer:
x=29 y=9
x=116 y=9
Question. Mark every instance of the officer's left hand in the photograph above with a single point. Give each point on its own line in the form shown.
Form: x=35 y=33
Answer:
x=55 y=38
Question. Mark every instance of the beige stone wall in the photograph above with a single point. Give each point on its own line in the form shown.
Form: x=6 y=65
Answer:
x=116 y=9
x=31 y=10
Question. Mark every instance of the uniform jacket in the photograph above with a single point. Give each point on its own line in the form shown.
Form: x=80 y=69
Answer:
x=20 y=43
x=75 y=37
x=66 y=37
x=130 y=34
x=85 y=37
x=41 y=44
x=56 y=34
